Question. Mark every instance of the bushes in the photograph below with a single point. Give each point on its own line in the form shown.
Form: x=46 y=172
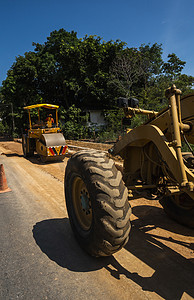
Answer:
x=4 y=129
x=73 y=123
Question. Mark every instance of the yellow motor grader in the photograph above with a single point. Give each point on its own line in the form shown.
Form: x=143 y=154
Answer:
x=97 y=192
x=44 y=137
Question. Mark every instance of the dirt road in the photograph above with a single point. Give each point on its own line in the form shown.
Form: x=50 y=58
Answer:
x=156 y=263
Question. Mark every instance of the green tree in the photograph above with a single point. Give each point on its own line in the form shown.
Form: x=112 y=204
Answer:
x=152 y=62
x=80 y=68
x=185 y=83
x=20 y=88
x=89 y=73
x=126 y=70
x=174 y=66
x=73 y=123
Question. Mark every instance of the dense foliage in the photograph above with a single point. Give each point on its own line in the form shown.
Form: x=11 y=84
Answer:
x=80 y=74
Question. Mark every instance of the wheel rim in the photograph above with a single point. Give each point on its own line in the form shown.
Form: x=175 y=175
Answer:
x=82 y=203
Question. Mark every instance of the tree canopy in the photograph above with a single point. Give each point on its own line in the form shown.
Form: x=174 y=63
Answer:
x=89 y=73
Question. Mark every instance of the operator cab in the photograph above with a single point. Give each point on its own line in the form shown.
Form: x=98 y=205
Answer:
x=39 y=114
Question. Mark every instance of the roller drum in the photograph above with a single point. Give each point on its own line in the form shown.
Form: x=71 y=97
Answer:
x=53 y=139
x=55 y=147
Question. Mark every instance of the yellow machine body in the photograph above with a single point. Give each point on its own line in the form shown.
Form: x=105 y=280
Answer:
x=152 y=152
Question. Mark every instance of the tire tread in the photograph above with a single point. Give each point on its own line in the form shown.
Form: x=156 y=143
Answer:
x=111 y=202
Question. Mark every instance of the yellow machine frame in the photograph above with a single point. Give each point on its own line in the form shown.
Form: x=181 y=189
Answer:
x=160 y=135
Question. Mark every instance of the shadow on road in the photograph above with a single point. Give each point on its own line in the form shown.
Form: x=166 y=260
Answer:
x=155 y=217
x=12 y=154
x=173 y=274
x=56 y=240
x=37 y=161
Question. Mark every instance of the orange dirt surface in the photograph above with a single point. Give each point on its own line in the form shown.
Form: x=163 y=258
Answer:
x=56 y=169
x=97 y=146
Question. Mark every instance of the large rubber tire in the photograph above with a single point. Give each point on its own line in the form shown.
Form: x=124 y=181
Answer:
x=97 y=203
x=43 y=158
x=180 y=208
x=189 y=160
x=24 y=145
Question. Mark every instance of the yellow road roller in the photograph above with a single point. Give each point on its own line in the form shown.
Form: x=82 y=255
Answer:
x=44 y=135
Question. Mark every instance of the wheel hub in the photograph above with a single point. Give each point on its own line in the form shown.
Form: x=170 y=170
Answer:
x=82 y=203
x=85 y=202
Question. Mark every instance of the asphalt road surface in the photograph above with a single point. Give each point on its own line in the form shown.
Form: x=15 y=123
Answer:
x=40 y=258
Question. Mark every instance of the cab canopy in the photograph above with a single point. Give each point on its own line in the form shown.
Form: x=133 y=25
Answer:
x=44 y=105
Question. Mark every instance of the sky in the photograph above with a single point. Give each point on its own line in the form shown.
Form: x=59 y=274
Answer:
x=136 y=22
